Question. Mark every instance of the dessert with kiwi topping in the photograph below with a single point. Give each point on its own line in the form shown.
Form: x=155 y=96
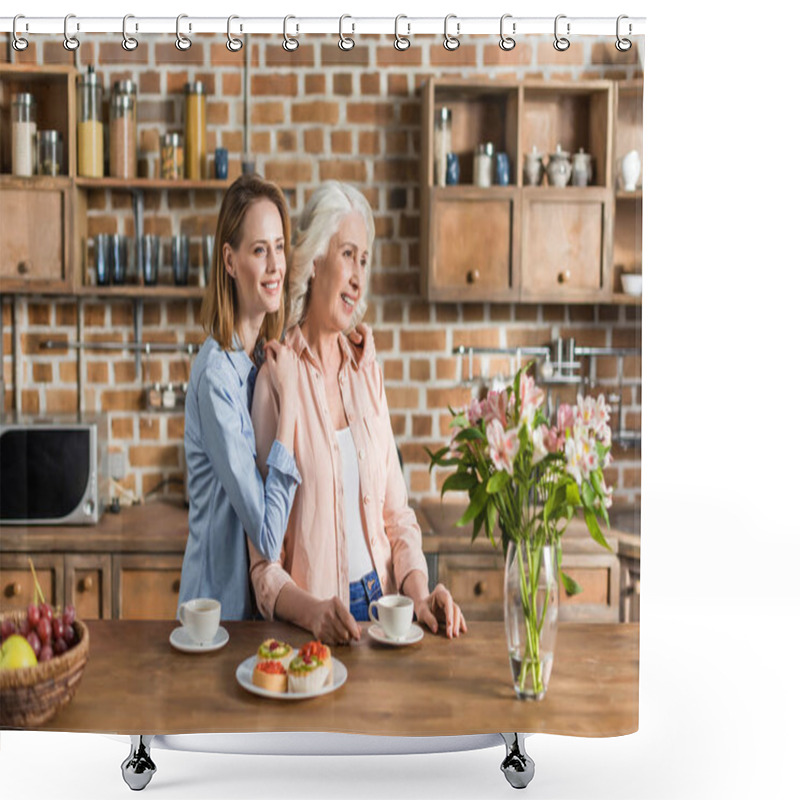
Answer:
x=307 y=673
x=274 y=650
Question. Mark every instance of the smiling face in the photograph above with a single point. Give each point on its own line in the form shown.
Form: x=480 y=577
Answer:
x=341 y=276
x=258 y=265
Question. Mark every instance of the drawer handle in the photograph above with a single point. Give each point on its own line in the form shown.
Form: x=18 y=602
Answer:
x=473 y=276
x=563 y=277
x=24 y=267
x=480 y=588
x=15 y=589
x=176 y=585
x=87 y=584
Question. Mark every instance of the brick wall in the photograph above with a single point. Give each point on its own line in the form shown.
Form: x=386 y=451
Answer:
x=314 y=114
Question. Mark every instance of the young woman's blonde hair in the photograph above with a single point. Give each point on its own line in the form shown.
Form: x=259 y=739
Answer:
x=318 y=224
x=219 y=313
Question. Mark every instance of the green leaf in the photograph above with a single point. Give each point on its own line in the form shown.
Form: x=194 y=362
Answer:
x=594 y=528
x=476 y=505
x=491 y=521
x=571 y=586
x=459 y=482
x=468 y=435
x=573 y=493
x=497 y=482
x=477 y=524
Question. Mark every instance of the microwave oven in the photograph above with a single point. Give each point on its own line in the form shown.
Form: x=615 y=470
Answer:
x=53 y=472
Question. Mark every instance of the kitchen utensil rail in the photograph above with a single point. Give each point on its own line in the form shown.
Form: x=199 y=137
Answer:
x=134 y=347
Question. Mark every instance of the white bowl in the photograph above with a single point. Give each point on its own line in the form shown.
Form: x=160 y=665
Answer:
x=632 y=285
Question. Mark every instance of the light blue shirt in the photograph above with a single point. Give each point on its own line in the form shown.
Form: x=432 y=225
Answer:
x=228 y=499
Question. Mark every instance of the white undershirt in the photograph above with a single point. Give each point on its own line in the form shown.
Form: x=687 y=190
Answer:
x=358 y=558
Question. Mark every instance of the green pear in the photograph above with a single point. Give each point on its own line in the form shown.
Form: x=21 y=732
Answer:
x=16 y=652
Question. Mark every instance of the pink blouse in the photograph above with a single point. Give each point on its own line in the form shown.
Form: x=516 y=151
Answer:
x=314 y=553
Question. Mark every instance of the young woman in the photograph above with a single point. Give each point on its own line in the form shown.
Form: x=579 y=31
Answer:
x=351 y=534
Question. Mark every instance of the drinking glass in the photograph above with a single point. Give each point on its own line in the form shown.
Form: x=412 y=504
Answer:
x=208 y=257
x=118 y=258
x=180 y=259
x=151 y=257
x=102 y=244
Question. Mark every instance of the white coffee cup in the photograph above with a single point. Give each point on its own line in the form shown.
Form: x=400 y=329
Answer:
x=394 y=614
x=200 y=617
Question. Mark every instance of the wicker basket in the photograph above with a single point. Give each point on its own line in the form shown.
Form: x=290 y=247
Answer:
x=30 y=696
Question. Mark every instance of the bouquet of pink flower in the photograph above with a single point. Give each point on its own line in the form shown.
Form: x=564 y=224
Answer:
x=526 y=473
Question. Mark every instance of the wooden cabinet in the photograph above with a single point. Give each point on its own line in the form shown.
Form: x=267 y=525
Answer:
x=146 y=587
x=88 y=585
x=519 y=243
x=630 y=579
x=17 y=588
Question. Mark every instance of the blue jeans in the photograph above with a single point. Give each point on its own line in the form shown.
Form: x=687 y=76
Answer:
x=362 y=593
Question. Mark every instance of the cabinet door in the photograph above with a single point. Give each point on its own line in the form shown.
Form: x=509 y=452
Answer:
x=16 y=580
x=472 y=250
x=598 y=576
x=476 y=583
x=630 y=578
x=34 y=229
x=146 y=587
x=563 y=246
x=87 y=580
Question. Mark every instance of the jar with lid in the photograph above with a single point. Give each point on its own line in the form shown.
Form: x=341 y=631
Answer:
x=482 y=165
x=172 y=156
x=23 y=134
x=50 y=148
x=442 y=145
x=90 y=126
x=195 y=131
x=122 y=130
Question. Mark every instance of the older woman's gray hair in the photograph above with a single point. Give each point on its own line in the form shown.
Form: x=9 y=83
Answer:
x=318 y=224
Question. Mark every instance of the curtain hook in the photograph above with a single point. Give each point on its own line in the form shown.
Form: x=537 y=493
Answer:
x=401 y=42
x=345 y=42
x=18 y=43
x=233 y=44
x=70 y=42
x=561 y=43
x=128 y=42
x=290 y=43
x=451 y=42
x=623 y=45
x=182 y=42
x=506 y=42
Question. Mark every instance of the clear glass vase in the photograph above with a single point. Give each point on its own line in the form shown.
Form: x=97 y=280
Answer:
x=531 y=616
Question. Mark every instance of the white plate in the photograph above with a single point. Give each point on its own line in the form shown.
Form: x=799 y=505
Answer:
x=244 y=677
x=180 y=640
x=412 y=637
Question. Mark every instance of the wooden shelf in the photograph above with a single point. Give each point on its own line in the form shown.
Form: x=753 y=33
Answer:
x=144 y=292
x=623 y=195
x=150 y=184
x=621 y=299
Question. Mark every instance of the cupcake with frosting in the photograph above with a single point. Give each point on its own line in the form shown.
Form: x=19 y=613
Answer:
x=271 y=675
x=307 y=674
x=274 y=650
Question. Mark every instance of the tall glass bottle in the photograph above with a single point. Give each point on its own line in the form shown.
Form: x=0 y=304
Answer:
x=195 y=131
x=122 y=130
x=90 y=125
x=23 y=134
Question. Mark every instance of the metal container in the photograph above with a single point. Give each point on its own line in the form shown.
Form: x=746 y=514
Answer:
x=50 y=150
x=172 y=156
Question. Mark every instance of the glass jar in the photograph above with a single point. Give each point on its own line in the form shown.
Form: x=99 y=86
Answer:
x=122 y=130
x=195 y=131
x=23 y=134
x=50 y=149
x=90 y=126
x=482 y=165
x=442 y=145
x=172 y=156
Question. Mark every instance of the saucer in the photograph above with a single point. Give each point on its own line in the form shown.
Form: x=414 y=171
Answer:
x=413 y=636
x=180 y=640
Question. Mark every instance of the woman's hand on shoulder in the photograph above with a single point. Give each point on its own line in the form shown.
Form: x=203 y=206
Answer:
x=282 y=366
x=363 y=340
x=439 y=607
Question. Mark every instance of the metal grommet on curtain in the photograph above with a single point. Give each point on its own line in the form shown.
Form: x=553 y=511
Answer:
x=290 y=43
x=182 y=42
x=345 y=42
x=401 y=42
x=233 y=44
x=623 y=45
x=506 y=42
x=128 y=42
x=451 y=42
x=561 y=43
x=18 y=43
x=70 y=42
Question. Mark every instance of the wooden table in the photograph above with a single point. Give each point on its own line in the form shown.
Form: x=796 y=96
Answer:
x=135 y=682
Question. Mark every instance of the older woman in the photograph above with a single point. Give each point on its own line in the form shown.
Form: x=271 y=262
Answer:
x=233 y=499
x=351 y=535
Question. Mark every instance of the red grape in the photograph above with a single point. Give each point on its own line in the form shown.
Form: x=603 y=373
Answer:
x=45 y=629
x=59 y=647
x=8 y=627
x=46 y=611
x=58 y=628
x=33 y=641
x=33 y=615
x=24 y=627
x=46 y=654
x=69 y=635
x=69 y=615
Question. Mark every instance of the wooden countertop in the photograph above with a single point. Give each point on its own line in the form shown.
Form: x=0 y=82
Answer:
x=136 y=682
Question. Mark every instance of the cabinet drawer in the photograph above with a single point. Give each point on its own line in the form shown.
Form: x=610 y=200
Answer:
x=476 y=583
x=146 y=587
x=87 y=581
x=16 y=581
x=598 y=576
